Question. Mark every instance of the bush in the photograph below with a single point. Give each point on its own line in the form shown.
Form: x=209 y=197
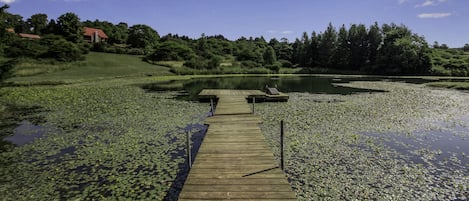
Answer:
x=196 y=64
x=285 y=63
x=63 y=50
x=5 y=69
x=26 y=48
x=274 y=67
x=214 y=62
x=249 y=64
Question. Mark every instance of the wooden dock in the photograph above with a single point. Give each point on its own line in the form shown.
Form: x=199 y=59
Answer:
x=234 y=162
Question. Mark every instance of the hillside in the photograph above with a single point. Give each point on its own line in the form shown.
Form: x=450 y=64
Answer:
x=95 y=66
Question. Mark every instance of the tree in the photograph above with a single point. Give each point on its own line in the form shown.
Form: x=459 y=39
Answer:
x=374 y=42
x=358 y=46
x=142 y=36
x=269 y=56
x=171 y=51
x=70 y=27
x=63 y=50
x=52 y=27
x=327 y=46
x=466 y=47
x=38 y=23
x=342 y=54
x=403 y=52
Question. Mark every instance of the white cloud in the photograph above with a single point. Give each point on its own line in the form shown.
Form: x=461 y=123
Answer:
x=434 y=15
x=7 y=1
x=281 y=32
x=430 y=3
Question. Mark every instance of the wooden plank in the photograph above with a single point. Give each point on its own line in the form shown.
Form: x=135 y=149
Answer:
x=234 y=161
x=237 y=195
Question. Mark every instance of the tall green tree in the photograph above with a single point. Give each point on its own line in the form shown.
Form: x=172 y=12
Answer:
x=374 y=43
x=327 y=46
x=142 y=36
x=70 y=27
x=314 y=46
x=38 y=23
x=342 y=54
x=358 y=46
x=403 y=52
x=285 y=52
x=269 y=56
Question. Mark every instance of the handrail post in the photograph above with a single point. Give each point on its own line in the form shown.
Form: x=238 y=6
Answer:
x=211 y=107
x=253 y=103
x=189 y=157
x=282 y=165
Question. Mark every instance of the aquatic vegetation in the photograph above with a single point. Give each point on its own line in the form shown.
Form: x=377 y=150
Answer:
x=339 y=149
x=109 y=141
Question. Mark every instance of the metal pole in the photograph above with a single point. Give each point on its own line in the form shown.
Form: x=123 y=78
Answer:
x=253 y=103
x=281 y=146
x=211 y=107
x=189 y=157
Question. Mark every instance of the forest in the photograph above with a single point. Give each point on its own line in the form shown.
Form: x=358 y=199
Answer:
x=387 y=49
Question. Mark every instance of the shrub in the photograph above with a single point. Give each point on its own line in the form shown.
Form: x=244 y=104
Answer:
x=285 y=63
x=63 y=50
x=196 y=63
x=274 y=67
x=249 y=64
x=26 y=48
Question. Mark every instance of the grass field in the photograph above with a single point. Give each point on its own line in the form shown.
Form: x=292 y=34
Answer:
x=96 y=66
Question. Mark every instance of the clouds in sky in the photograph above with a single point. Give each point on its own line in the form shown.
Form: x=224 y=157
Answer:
x=434 y=15
x=430 y=3
x=427 y=3
x=281 y=32
x=7 y=1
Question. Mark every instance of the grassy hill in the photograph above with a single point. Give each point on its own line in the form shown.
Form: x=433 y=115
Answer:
x=95 y=66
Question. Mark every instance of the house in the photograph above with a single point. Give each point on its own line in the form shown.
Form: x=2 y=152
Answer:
x=93 y=35
x=29 y=36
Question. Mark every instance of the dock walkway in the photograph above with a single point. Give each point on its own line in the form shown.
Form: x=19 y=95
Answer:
x=234 y=162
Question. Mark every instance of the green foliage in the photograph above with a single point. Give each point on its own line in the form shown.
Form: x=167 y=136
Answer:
x=70 y=27
x=466 y=47
x=38 y=23
x=269 y=56
x=63 y=50
x=5 y=69
x=26 y=48
x=142 y=36
x=285 y=63
x=450 y=62
x=171 y=51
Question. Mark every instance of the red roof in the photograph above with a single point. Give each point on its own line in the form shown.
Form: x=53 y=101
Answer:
x=91 y=31
x=31 y=36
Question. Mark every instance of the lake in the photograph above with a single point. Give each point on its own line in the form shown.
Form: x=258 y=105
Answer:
x=347 y=137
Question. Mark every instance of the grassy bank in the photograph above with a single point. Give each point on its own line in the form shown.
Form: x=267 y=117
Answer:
x=96 y=66
x=450 y=85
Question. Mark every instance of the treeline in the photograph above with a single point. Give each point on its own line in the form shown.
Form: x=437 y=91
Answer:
x=378 y=49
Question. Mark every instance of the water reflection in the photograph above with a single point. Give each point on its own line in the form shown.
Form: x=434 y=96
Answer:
x=304 y=84
x=26 y=132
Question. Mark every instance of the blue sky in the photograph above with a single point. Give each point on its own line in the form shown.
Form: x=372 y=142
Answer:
x=445 y=21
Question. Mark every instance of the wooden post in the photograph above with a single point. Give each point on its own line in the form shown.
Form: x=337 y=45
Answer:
x=253 y=103
x=189 y=157
x=211 y=107
x=282 y=166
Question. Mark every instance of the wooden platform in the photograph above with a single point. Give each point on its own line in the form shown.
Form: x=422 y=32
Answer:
x=208 y=94
x=234 y=161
